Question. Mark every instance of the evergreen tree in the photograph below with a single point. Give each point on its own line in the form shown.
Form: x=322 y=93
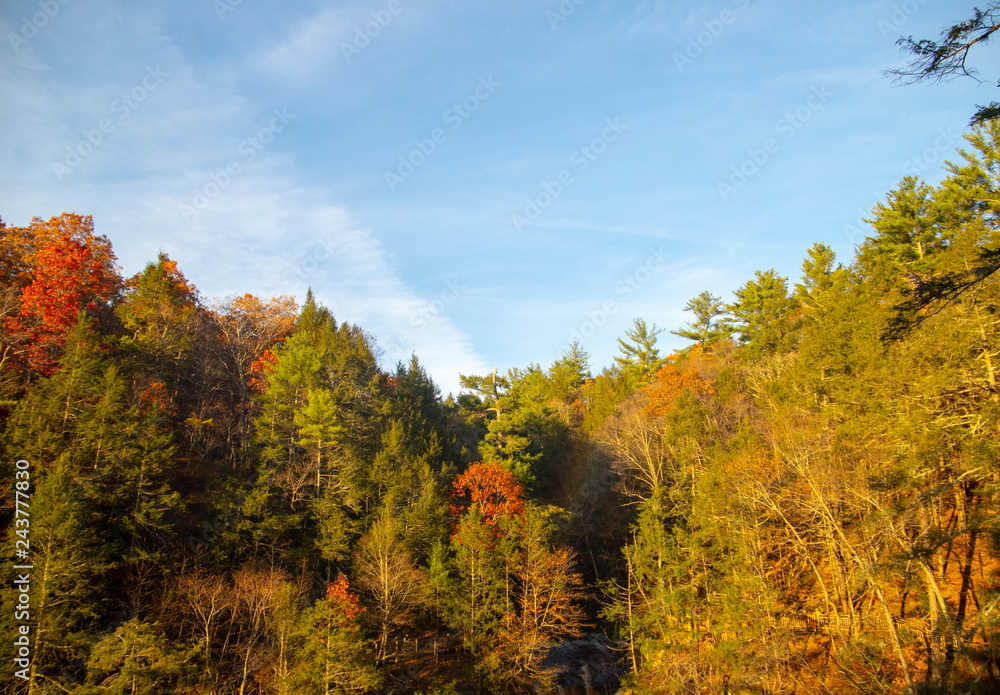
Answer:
x=161 y=314
x=909 y=231
x=570 y=371
x=711 y=322
x=136 y=658
x=817 y=275
x=332 y=657
x=640 y=358
x=948 y=58
x=478 y=603
x=68 y=594
x=114 y=444
x=761 y=313
x=313 y=316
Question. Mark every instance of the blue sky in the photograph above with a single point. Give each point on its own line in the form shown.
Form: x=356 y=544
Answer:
x=479 y=183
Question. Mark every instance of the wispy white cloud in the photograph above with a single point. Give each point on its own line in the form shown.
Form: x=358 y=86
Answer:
x=309 y=43
x=347 y=267
x=398 y=251
x=250 y=228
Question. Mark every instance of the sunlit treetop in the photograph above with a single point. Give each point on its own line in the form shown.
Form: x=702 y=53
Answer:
x=491 y=490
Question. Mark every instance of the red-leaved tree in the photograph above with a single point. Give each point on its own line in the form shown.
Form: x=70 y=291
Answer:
x=491 y=489
x=72 y=270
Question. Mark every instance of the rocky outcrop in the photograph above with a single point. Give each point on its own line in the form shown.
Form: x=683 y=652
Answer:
x=586 y=666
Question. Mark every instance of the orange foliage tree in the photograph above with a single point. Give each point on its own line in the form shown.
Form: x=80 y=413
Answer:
x=670 y=383
x=246 y=328
x=490 y=489
x=72 y=270
x=486 y=501
x=19 y=245
x=344 y=605
x=333 y=657
x=249 y=327
x=161 y=313
x=260 y=370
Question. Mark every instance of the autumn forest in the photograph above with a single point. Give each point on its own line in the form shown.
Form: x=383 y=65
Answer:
x=238 y=496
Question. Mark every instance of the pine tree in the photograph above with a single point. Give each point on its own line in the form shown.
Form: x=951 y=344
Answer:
x=817 y=276
x=570 y=371
x=161 y=314
x=478 y=603
x=136 y=658
x=711 y=322
x=640 y=358
x=332 y=657
x=69 y=560
x=909 y=230
x=762 y=311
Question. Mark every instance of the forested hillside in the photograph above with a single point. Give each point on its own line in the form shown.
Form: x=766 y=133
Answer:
x=238 y=497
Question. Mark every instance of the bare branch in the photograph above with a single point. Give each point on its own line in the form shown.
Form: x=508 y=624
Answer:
x=947 y=60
